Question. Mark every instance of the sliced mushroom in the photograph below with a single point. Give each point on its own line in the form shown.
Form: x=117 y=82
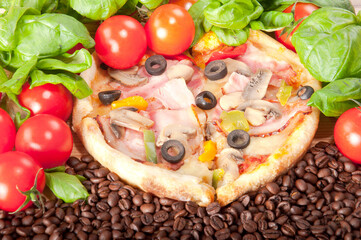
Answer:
x=176 y=131
x=257 y=87
x=118 y=131
x=127 y=118
x=229 y=160
x=231 y=101
x=238 y=67
x=180 y=71
x=270 y=109
x=127 y=77
x=255 y=117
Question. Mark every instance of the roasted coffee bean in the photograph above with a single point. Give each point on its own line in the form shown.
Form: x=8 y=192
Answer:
x=213 y=208
x=160 y=216
x=288 y=230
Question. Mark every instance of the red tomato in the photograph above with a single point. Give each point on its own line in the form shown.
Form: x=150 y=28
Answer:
x=120 y=42
x=46 y=138
x=7 y=132
x=183 y=3
x=170 y=30
x=18 y=170
x=347 y=134
x=52 y=99
x=302 y=10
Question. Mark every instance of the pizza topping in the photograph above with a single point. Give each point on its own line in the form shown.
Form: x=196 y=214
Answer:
x=206 y=100
x=156 y=65
x=117 y=130
x=231 y=101
x=238 y=67
x=257 y=87
x=173 y=151
x=107 y=97
x=255 y=117
x=216 y=70
x=238 y=139
x=133 y=101
x=284 y=93
x=129 y=119
x=176 y=131
x=229 y=160
x=305 y=92
x=210 y=151
x=149 y=144
x=174 y=94
x=217 y=176
x=180 y=71
x=234 y=120
x=236 y=83
x=270 y=109
x=127 y=77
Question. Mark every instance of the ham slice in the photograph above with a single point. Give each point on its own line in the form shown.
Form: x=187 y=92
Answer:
x=236 y=83
x=174 y=94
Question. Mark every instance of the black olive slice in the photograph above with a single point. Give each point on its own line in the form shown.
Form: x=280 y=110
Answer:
x=155 y=65
x=216 y=70
x=206 y=100
x=107 y=97
x=178 y=149
x=305 y=92
x=238 y=139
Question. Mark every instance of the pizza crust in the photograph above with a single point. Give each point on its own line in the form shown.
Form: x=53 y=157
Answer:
x=153 y=179
x=297 y=142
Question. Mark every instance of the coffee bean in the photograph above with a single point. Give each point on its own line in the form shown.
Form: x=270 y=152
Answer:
x=301 y=185
x=273 y=188
x=250 y=226
x=160 y=216
x=288 y=230
x=213 y=208
x=222 y=234
x=191 y=207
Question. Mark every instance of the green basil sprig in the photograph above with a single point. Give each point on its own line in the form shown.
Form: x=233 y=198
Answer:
x=65 y=186
x=328 y=43
x=95 y=9
x=337 y=96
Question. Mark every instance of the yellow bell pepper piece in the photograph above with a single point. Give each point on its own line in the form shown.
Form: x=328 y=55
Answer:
x=134 y=101
x=217 y=176
x=234 y=120
x=210 y=151
x=284 y=93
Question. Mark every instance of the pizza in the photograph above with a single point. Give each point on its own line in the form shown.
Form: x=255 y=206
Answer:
x=205 y=129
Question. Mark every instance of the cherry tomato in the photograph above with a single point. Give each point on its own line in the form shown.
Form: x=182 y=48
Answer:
x=46 y=138
x=7 y=132
x=183 y=3
x=120 y=42
x=302 y=10
x=347 y=134
x=170 y=30
x=18 y=170
x=52 y=99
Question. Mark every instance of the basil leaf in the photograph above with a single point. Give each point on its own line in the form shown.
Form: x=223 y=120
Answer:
x=77 y=62
x=128 y=8
x=95 y=9
x=20 y=118
x=336 y=97
x=345 y=4
x=65 y=186
x=20 y=76
x=8 y=24
x=196 y=11
x=55 y=169
x=272 y=20
x=46 y=35
x=74 y=83
x=40 y=5
x=151 y=4
x=3 y=77
x=231 y=37
x=81 y=178
x=234 y=14
x=328 y=43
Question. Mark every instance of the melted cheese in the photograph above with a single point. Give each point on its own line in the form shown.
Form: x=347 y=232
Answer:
x=195 y=168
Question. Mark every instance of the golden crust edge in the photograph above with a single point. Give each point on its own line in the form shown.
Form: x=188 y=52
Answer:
x=296 y=144
x=159 y=181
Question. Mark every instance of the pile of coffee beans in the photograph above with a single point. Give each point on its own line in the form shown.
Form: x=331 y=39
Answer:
x=319 y=198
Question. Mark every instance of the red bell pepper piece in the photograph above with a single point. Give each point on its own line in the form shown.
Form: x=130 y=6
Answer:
x=228 y=52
